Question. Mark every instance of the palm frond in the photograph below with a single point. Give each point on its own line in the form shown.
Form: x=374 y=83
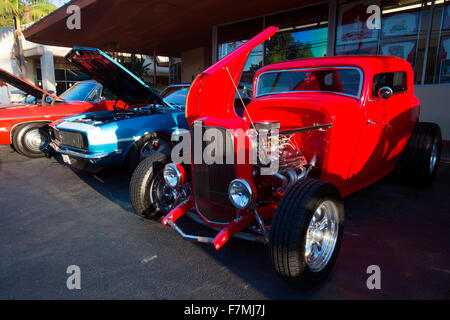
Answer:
x=40 y=9
x=9 y=8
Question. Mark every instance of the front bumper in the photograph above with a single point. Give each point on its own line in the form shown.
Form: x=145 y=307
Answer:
x=232 y=229
x=82 y=155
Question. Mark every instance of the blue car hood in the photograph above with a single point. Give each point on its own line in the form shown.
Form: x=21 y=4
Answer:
x=112 y=75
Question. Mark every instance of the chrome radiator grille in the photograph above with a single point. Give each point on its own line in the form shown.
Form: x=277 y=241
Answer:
x=211 y=181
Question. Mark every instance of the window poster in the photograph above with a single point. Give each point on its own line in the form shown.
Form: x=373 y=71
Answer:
x=446 y=18
x=352 y=23
x=403 y=49
x=444 y=60
x=362 y=48
x=403 y=24
x=444 y=75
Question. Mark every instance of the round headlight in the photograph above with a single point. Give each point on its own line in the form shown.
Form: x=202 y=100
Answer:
x=240 y=193
x=173 y=175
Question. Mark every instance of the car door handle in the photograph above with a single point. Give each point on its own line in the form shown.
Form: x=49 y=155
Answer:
x=372 y=122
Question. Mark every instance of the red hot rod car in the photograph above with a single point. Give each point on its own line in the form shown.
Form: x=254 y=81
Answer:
x=339 y=124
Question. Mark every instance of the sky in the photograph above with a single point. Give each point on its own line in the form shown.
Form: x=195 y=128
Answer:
x=58 y=3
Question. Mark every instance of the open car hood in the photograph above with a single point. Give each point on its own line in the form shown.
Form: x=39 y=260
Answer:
x=213 y=91
x=25 y=86
x=112 y=75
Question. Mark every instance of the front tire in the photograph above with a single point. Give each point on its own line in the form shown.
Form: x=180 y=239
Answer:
x=150 y=196
x=306 y=232
x=32 y=140
x=420 y=159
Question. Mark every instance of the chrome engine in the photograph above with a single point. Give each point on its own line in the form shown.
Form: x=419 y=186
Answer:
x=292 y=163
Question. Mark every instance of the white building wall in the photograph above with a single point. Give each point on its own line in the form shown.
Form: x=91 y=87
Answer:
x=192 y=63
x=6 y=60
x=435 y=106
x=33 y=53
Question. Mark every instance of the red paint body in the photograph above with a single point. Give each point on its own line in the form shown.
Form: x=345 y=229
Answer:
x=13 y=115
x=367 y=135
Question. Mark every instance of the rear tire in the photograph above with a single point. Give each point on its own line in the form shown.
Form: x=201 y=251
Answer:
x=310 y=213
x=148 y=188
x=32 y=140
x=420 y=159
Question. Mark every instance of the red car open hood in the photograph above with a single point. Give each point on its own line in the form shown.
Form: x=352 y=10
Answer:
x=25 y=86
x=213 y=91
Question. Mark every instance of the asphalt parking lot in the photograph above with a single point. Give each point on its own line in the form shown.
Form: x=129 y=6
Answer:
x=52 y=216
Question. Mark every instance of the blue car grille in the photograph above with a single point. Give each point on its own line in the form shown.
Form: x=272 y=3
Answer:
x=72 y=139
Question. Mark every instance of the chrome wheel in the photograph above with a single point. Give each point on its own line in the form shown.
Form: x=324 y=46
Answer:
x=152 y=146
x=434 y=155
x=321 y=236
x=35 y=141
x=162 y=196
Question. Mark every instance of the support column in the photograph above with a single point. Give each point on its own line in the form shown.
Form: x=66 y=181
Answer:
x=154 y=64
x=332 y=27
x=214 y=45
x=48 y=70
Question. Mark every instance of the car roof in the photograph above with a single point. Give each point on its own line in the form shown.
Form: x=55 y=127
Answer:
x=369 y=64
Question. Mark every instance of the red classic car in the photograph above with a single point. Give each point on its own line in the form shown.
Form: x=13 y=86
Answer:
x=320 y=129
x=24 y=125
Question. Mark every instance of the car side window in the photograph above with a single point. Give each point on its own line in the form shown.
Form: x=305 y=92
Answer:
x=108 y=95
x=96 y=94
x=394 y=80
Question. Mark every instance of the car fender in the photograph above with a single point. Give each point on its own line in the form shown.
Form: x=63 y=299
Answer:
x=14 y=127
x=162 y=124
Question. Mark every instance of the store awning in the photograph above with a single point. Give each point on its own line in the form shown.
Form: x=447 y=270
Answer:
x=136 y=26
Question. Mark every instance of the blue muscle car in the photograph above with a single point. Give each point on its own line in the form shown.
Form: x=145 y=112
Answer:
x=129 y=133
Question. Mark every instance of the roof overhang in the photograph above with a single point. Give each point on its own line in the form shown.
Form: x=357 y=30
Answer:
x=137 y=26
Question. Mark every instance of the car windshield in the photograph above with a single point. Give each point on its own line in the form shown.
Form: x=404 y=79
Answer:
x=80 y=91
x=338 y=80
x=176 y=96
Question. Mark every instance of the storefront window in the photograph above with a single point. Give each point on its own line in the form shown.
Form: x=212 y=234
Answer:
x=438 y=63
x=230 y=37
x=399 y=33
x=353 y=37
x=296 y=45
x=403 y=31
x=254 y=61
x=303 y=34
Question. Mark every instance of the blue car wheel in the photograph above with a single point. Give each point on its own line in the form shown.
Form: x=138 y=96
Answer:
x=146 y=147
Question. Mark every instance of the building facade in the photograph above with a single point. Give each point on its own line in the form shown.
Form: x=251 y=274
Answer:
x=46 y=67
x=203 y=31
x=418 y=31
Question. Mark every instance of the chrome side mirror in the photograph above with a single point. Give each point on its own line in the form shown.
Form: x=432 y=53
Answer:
x=385 y=93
